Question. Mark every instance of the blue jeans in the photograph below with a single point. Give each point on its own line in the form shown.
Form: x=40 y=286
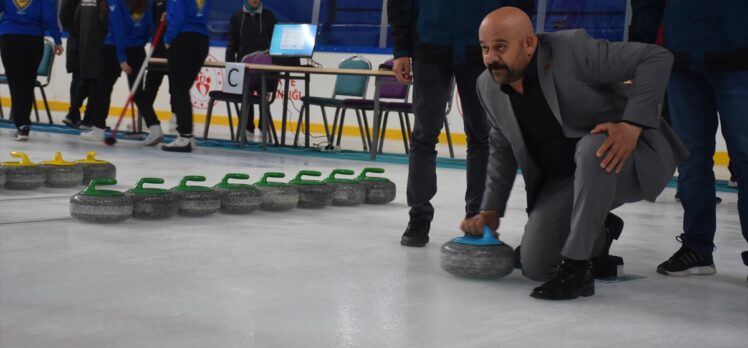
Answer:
x=698 y=101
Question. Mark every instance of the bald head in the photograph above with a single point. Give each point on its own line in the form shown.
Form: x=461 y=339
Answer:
x=508 y=43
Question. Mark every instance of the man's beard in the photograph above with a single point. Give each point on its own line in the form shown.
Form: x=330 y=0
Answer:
x=510 y=76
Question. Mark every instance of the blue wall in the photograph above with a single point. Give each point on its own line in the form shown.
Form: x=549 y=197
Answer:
x=355 y=23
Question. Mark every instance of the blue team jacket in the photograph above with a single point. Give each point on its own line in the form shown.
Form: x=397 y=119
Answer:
x=30 y=17
x=127 y=29
x=186 y=16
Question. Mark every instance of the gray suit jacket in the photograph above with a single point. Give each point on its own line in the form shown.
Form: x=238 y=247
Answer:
x=582 y=81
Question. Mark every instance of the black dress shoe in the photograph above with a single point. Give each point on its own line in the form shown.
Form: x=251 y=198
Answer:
x=72 y=123
x=606 y=267
x=613 y=229
x=572 y=279
x=417 y=233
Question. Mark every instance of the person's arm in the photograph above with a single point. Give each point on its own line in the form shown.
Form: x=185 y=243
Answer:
x=501 y=172
x=67 y=14
x=645 y=20
x=176 y=12
x=648 y=66
x=400 y=14
x=117 y=13
x=49 y=16
x=232 y=42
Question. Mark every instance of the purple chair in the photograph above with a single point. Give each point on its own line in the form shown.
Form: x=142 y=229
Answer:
x=389 y=89
x=255 y=87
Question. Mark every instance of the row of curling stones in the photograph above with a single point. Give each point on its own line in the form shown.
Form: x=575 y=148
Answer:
x=26 y=175
x=478 y=257
x=97 y=205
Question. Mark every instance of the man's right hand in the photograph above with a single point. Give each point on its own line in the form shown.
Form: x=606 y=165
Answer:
x=474 y=225
x=401 y=68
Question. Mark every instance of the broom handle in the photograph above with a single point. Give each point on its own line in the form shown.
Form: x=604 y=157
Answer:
x=141 y=72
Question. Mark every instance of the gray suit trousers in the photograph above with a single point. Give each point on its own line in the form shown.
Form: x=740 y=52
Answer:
x=569 y=215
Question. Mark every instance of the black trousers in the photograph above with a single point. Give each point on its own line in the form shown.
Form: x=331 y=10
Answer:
x=101 y=97
x=79 y=89
x=21 y=55
x=186 y=56
x=430 y=89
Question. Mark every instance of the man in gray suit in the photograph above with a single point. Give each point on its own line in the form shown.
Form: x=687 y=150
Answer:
x=585 y=141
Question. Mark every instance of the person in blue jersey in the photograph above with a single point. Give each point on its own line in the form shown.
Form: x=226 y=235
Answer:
x=22 y=27
x=130 y=27
x=186 y=41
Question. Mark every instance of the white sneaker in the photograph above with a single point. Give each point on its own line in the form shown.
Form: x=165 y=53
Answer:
x=180 y=144
x=95 y=135
x=173 y=123
x=155 y=135
x=732 y=184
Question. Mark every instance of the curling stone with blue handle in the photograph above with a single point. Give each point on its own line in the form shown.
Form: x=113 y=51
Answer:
x=61 y=173
x=94 y=168
x=347 y=192
x=277 y=196
x=23 y=175
x=152 y=203
x=378 y=190
x=96 y=205
x=238 y=198
x=312 y=193
x=196 y=200
x=478 y=257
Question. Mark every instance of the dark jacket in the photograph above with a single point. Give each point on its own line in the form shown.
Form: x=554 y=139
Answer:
x=92 y=28
x=68 y=8
x=249 y=32
x=441 y=30
x=703 y=35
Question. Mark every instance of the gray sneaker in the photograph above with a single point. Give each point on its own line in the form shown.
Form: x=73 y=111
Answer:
x=154 y=137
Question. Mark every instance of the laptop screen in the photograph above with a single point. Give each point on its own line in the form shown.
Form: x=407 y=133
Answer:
x=293 y=40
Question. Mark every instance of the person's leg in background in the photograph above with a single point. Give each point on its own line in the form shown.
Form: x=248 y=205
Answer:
x=693 y=114
x=476 y=129
x=186 y=55
x=731 y=95
x=430 y=87
x=21 y=55
x=101 y=96
x=153 y=79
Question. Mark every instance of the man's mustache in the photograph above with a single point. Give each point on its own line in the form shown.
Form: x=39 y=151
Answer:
x=497 y=66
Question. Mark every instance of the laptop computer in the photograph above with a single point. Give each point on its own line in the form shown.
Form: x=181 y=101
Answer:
x=290 y=42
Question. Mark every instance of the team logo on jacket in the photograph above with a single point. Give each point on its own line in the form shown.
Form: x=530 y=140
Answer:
x=209 y=79
x=200 y=4
x=136 y=17
x=22 y=4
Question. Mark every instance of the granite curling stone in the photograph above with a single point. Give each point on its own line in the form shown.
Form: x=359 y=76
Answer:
x=313 y=194
x=23 y=175
x=238 y=198
x=378 y=190
x=152 y=203
x=61 y=173
x=196 y=200
x=478 y=257
x=277 y=196
x=101 y=205
x=346 y=192
x=95 y=168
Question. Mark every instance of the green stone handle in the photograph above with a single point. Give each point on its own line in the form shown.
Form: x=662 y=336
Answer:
x=237 y=176
x=269 y=175
x=363 y=177
x=144 y=181
x=339 y=171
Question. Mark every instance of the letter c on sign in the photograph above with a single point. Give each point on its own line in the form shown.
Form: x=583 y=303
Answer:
x=231 y=81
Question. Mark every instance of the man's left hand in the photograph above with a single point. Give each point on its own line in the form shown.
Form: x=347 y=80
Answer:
x=621 y=141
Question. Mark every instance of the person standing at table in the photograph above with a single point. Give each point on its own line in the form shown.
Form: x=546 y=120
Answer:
x=130 y=26
x=22 y=27
x=250 y=30
x=187 y=45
